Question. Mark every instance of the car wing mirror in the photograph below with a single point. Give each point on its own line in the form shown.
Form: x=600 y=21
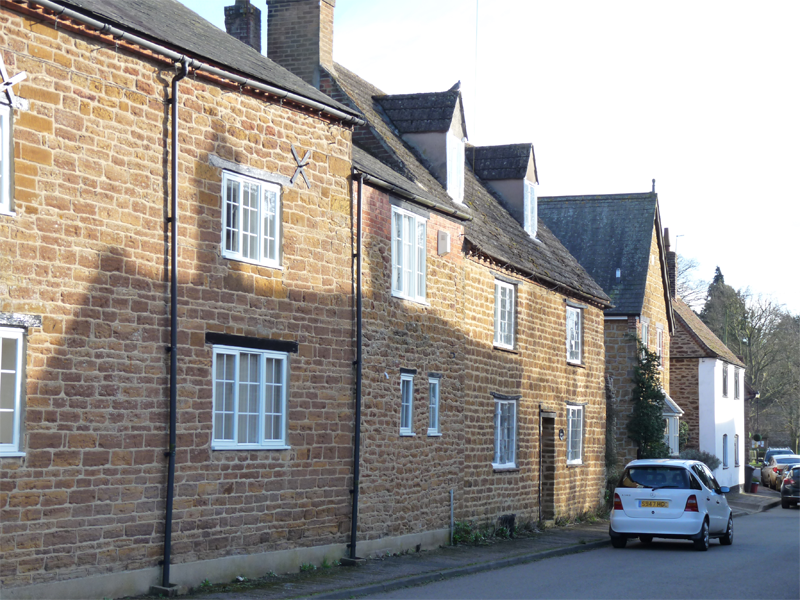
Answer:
x=725 y=490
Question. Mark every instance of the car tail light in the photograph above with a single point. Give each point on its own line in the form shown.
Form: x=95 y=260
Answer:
x=788 y=481
x=691 y=504
x=617 y=502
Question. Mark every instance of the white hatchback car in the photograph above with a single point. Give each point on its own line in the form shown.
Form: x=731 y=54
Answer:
x=667 y=498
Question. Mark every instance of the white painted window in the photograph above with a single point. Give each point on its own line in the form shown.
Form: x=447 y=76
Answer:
x=645 y=336
x=574 y=334
x=725 y=379
x=725 y=451
x=11 y=388
x=504 y=317
x=660 y=346
x=409 y=249
x=433 y=406
x=249 y=398
x=574 y=435
x=406 y=404
x=6 y=158
x=531 y=209
x=736 y=393
x=736 y=450
x=455 y=167
x=251 y=220
x=505 y=434
x=672 y=434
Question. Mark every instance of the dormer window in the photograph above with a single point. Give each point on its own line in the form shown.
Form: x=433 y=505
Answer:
x=530 y=209
x=455 y=167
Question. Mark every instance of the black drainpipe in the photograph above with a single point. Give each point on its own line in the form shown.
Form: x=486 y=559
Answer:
x=173 y=324
x=357 y=441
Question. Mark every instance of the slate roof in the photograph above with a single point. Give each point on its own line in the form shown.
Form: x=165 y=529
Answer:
x=172 y=25
x=705 y=338
x=415 y=113
x=606 y=233
x=500 y=162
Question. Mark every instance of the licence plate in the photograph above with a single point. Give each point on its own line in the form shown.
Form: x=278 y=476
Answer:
x=654 y=504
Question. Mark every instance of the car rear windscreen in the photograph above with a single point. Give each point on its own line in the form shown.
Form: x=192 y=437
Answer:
x=656 y=477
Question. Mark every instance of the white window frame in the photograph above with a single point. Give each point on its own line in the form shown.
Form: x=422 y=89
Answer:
x=672 y=434
x=574 y=335
x=434 y=415
x=455 y=148
x=504 y=319
x=660 y=346
x=645 y=336
x=725 y=451
x=407 y=404
x=234 y=410
x=736 y=390
x=575 y=416
x=234 y=231
x=505 y=434
x=409 y=256
x=12 y=368
x=6 y=161
x=725 y=386
x=530 y=206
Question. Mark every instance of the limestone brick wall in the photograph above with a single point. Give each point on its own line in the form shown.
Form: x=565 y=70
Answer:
x=538 y=372
x=87 y=251
x=655 y=308
x=406 y=480
x=686 y=392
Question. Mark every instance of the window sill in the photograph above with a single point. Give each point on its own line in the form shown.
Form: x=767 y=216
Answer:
x=505 y=468
x=506 y=349
x=572 y=465
x=12 y=454
x=255 y=263
x=247 y=447
x=8 y=213
x=407 y=434
x=434 y=434
x=579 y=365
x=409 y=299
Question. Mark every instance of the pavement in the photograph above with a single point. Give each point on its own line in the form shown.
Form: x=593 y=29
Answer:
x=386 y=573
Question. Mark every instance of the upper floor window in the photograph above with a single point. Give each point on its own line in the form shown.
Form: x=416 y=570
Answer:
x=725 y=379
x=505 y=434
x=574 y=435
x=455 y=168
x=531 y=210
x=251 y=220
x=646 y=335
x=249 y=398
x=406 y=404
x=11 y=387
x=408 y=255
x=6 y=157
x=574 y=334
x=433 y=406
x=504 y=314
x=736 y=392
x=660 y=346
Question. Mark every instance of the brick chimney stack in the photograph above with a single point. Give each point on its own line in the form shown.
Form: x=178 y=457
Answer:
x=243 y=21
x=300 y=36
x=672 y=266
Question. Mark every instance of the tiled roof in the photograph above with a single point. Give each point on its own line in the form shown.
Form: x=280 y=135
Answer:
x=606 y=233
x=172 y=25
x=709 y=342
x=500 y=162
x=415 y=113
x=493 y=231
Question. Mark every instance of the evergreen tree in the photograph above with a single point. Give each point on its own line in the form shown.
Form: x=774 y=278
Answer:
x=646 y=425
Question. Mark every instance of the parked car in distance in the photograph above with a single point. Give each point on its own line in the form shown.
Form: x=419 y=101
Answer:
x=770 y=471
x=673 y=499
x=790 y=487
x=773 y=451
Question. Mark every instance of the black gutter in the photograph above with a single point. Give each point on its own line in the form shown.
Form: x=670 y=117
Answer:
x=173 y=325
x=359 y=365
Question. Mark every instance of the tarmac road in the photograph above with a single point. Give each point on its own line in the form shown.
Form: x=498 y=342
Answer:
x=763 y=562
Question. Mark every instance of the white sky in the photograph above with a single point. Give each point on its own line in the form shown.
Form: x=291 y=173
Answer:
x=702 y=96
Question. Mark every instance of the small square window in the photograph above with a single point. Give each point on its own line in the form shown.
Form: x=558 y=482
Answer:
x=574 y=435
x=505 y=434
x=251 y=220
x=504 y=314
x=406 y=404
x=433 y=406
x=249 y=398
x=6 y=160
x=574 y=334
x=11 y=389
x=409 y=253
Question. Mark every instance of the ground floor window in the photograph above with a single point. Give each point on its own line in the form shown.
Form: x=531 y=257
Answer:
x=406 y=404
x=433 y=406
x=11 y=388
x=574 y=435
x=250 y=396
x=672 y=434
x=736 y=450
x=505 y=434
x=725 y=451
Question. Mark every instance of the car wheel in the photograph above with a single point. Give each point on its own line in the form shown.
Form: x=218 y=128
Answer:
x=645 y=539
x=785 y=503
x=619 y=542
x=727 y=539
x=701 y=543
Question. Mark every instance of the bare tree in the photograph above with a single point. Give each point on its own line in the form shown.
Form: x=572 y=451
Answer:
x=689 y=287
